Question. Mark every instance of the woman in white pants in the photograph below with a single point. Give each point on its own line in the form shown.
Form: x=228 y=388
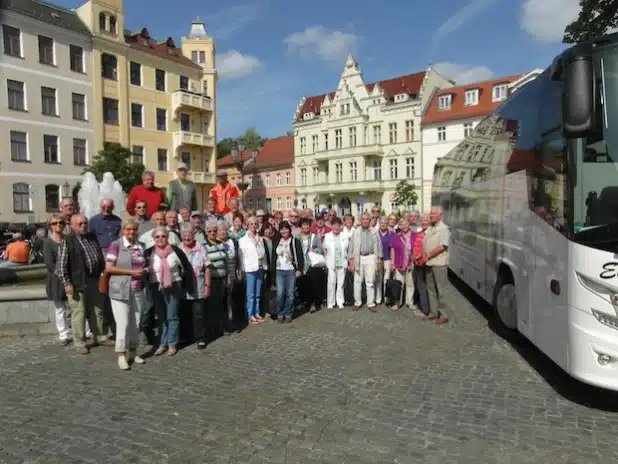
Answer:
x=335 y=247
x=126 y=265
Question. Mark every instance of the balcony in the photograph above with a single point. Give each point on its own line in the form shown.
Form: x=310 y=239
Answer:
x=342 y=187
x=190 y=100
x=202 y=177
x=345 y=152
x=193 y=138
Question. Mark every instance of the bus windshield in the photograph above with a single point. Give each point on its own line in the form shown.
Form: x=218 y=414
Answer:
x=595 y=194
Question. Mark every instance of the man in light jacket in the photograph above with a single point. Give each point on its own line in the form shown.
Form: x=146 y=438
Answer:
x=364 y=254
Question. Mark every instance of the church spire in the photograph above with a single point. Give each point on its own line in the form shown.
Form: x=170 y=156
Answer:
x=198 y=29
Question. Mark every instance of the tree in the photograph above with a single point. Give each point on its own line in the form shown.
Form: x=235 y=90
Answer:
x=251 y=140
x=405 y=194
x=116 y=159
x=595 y=19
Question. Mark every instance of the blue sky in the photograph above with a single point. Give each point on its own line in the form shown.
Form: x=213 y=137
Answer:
x=272 y=52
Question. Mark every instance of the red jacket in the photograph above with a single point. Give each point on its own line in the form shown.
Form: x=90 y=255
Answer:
x=320 y=233
x=153 y=199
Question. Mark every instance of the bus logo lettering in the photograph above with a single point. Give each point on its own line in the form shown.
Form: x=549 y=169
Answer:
x=609 y=270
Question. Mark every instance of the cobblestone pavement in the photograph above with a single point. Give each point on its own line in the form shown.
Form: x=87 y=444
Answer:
x=333 y=387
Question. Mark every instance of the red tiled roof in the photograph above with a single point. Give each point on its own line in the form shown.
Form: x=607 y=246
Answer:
x=410 y=84
x=275 y=153
x=166 y=50
x=458 y=110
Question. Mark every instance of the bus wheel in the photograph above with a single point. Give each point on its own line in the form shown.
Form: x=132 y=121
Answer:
x=505 y=305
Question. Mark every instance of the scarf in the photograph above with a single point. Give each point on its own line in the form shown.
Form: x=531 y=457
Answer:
x=165 y=281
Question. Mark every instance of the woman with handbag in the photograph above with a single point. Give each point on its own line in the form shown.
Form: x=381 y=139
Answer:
x=287 y=263
x=311 y=283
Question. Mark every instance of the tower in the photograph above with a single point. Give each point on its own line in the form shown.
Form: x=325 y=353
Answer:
x=104 y=18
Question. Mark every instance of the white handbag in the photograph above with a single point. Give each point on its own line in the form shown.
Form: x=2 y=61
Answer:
x=315 y=259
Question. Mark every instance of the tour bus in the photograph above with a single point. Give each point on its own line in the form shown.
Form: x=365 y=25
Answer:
x=531 y=197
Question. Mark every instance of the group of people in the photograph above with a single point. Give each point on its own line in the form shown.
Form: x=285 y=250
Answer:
x=196 y=275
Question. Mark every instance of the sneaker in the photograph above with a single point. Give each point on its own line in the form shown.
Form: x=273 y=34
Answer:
x=313 y=309
x=159 y=351
x=138 y=360
x=172 y=351
x=330 y=307
x=123 y=363
x=288 y=319
x=201 y=345
x=65 y=341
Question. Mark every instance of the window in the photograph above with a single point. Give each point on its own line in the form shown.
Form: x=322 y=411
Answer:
x=161 y=119
x=278 y=180
x=394 y=207
x=184 y=83
x=410 y=168
x=316 y=176
x=12 y=40
x=48 y=101
x=19 y=146
x=46 y=50
x=392 y=166
x=441 y=133
x=205 y=87
x=186 y=158
x=136 y=115
x=338 y=138
x=345 y=109
x=353 y=171
x=377 y=170
x=160 y=80
x=161 y=159
x=303 y=176
x=109 y=66
x=499 y=92
x=279 y=203
x=314 y=143
x=80 y=152
x=409 y=131
x=185 y=122
x=202 y=57
x=78 y=102
x=303 y=203
x=50 y=148
x=288 y=203
x=52 y=198
x=288 y=178
x=267 y=180
x=444 y=102
x=136 y=73
x=471 y=97
x=194 y=56
x=467 y=129
x=21 y=198
x=392 y=132
x=102 y=22
x=352 y=136
x=303 y=145
x=338 y=172
x=112 y=24
x=377 y=135
x=326 y=141
x=16 y=94
x=77 y=58
x=137 y=154
x=110 y=111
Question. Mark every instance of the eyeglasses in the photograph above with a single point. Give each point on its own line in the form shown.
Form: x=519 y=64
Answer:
x=82 y=223
x=160 y=236
x=140 y=207
x=57 y=223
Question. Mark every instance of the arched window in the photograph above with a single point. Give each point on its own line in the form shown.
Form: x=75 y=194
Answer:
x=21 y=198
x=52 y=198
x=112 y=24
x=102 y=21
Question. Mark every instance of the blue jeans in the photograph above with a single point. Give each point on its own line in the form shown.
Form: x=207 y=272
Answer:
x=286 y=284
x=167 y=305
x=254 y=292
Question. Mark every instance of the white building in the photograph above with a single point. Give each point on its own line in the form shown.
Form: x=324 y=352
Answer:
x=451 y=116
x=45 y=107
x=352 y=146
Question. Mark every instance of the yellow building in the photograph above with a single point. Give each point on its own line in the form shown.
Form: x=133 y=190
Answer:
x=153 y=97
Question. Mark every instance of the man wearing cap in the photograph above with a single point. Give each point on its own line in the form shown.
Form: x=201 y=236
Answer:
x=223 y=191
x=181 y=193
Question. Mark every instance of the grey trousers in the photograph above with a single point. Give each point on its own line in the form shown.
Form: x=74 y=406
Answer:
x=437 y=282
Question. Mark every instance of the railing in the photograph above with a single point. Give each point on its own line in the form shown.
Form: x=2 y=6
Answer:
x=185 y=98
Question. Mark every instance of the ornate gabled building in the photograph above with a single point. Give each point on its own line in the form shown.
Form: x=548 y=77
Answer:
x=352 y=146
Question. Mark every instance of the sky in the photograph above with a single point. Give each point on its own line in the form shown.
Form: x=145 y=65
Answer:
x=271 y=53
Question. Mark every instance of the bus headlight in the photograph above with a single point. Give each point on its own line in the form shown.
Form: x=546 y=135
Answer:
x=604 y=359
x=606 y=319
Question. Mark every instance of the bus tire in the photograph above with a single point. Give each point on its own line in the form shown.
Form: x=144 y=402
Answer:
x=505 y=304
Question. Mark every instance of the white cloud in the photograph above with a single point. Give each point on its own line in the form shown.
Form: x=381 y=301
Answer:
x=465 y=14
x=545 y=20
x=227 y=22
x=463 y=73
x=233 y=64
x=316 y=41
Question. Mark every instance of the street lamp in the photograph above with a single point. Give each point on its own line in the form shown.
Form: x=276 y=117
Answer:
x=237 y=151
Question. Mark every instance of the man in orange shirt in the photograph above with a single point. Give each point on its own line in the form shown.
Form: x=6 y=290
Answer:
x=17 y=252
x=223 y=191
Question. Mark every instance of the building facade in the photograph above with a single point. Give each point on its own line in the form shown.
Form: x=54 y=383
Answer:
x=270 y=175
x=46 y=108
x=451 y=117
x=152 y=98
x=353 y=145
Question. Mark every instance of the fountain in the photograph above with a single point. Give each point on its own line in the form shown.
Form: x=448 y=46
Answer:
x=92 y=192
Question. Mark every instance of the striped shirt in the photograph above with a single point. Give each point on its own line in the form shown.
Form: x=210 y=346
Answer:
x=217 y=256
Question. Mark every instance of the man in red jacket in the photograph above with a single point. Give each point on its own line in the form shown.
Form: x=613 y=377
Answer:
x=147 y=192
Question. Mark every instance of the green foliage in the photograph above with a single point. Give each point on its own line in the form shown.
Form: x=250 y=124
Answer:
x=405 y=194
x=116 y=159
x=251 y=140
x=595 y=19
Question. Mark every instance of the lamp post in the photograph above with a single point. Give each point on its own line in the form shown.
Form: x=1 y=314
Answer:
x=237 y=152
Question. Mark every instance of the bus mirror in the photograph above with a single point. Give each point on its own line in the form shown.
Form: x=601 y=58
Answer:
x=578 y=102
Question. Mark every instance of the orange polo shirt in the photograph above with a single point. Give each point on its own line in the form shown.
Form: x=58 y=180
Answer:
x=18 y=252
x=222 y=194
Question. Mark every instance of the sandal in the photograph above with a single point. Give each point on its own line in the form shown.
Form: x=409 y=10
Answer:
x=253 y=321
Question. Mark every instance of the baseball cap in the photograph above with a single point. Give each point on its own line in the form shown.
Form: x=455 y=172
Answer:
x=183 y=166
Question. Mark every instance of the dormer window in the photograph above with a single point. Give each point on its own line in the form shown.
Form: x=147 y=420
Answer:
x=345 y=109
x=309 y=115
x=444 y=102
x=471 y=97
x=401 y=97
x=500 y=92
